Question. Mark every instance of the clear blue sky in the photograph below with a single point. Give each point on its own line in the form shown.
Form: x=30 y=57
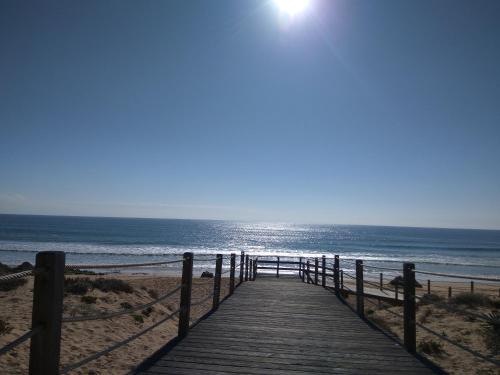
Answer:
x=356 y=112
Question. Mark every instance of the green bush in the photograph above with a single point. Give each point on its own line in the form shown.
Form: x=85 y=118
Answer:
x=126 y=305
x=138 y=318
x=491 y=331
x=89 y=299
x=471 y=299
x=79 y=286
x=112 y=285
x=431 y=347
x=8 y=285
x=4 y=327
x=148 y=311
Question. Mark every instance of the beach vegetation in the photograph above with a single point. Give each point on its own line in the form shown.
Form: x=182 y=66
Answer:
x=138 y=318
x=4 y=327
x=431 y=347
x=79 y=286
x=8 y=285
x=126 y=305
x=112 y=285
x=491 y=331
x=88 y=299
x=471 y=300
x=148 y=311
x=426 y=315
x=153 y=293
x=74 y=271
x=430 y=298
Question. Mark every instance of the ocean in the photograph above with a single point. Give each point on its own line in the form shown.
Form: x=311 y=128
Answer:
x=126 y=240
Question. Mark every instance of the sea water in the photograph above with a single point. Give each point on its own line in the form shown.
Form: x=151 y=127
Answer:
x=125 y=240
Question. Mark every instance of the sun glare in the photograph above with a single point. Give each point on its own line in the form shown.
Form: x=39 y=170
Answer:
x=292 y=7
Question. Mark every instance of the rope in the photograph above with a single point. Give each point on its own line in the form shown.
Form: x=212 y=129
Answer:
x=19 y=340
x=470 y=351
x=458 y=345
x=468 y=277
x=123 y=265
x=13 y=276
x=67 y=319
x=203 y=300
x=116 y=346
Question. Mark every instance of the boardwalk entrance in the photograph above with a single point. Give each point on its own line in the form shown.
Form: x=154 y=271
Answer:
x=283 y=326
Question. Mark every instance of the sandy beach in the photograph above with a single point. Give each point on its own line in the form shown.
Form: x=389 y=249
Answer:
x=457 y=326
x=81 y=339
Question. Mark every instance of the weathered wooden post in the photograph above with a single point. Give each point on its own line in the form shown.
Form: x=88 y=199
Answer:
x=316 y=264
x=246 y=267
x=323 y=273
x=360 y=301
x=255 y=268
x=185 y=304
x=472 y=286
x=300 y=267
x=336 y=269
x=304 y=273
x=381 y=281
x=342 y=280
x=231 y=273
x=410 y=328
x=278 y=267
x=217 y=277
x=308 y=270
x=48 y=294
x=242 y=265
x=251 y=270
x=449 y=292
x=428 y=287
x=396 y=292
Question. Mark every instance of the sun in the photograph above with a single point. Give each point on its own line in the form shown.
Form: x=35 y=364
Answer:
x=292 y=7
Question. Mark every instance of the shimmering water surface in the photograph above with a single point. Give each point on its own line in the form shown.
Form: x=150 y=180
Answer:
x=109 y=240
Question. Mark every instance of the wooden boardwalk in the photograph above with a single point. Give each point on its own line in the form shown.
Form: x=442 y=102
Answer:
x=285 y=327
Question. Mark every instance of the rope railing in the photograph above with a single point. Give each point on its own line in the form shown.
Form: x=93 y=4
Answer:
x=121 y=265
x=48 y=295
x=70 y=319
x=18 y=275
x=455 y=276
x=24 y=337
x=113 y=347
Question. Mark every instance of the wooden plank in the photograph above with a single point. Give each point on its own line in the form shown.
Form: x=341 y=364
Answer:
x=284 y=326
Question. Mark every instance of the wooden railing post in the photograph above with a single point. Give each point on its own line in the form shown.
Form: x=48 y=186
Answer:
x=410 y=328
x=255 y=268
x=428 y=287
x=246 y=267
x=472 y=286
x=449 y=292
x=308 y=272
x=304 y=273
x=251 y=270
x=342 y=280
x=278 y=267
x=300 y=267
x=360 y=300
x=323 y=273
x=316 y=263
x=217 y=277
x=242 y=265
x=185 y=304
x=231 y=273
x=381 y=281
x=48 y=291
x=396 y=292
x=336 y=266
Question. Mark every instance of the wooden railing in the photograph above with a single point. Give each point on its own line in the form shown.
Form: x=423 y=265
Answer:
x=48 y=293
x=312 y=270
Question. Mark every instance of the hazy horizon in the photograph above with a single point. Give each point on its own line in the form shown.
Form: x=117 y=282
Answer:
x=368 y=113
